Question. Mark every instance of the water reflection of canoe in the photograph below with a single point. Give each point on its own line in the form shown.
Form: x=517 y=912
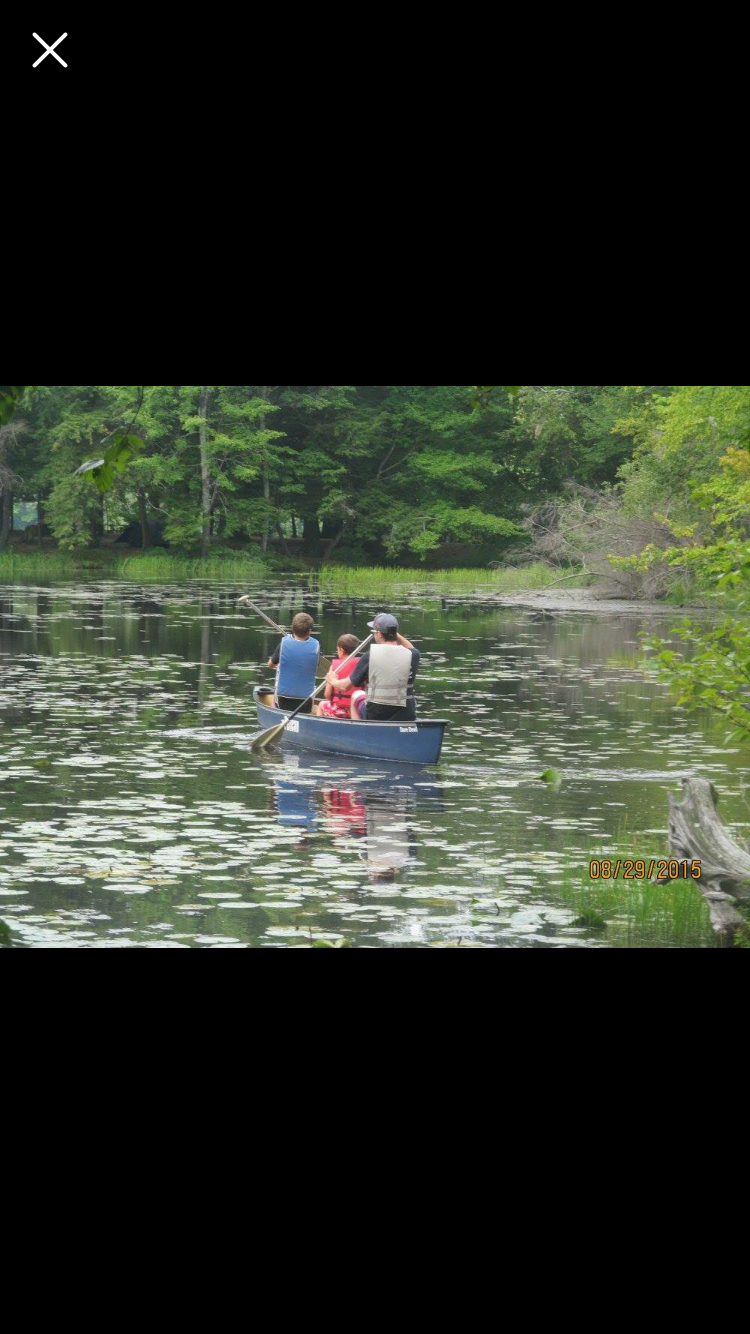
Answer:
x=369 y=805
x=404 y=784
x=407 y=743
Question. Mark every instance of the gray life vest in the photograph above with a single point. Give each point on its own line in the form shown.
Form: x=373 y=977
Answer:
x=388 y=675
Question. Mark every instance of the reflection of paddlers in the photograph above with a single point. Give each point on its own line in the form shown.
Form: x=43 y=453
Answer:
x=346 y=809
x=389 y=846
x=295 y=802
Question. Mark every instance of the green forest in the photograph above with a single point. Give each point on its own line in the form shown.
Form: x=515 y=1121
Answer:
x=644 y=489
x=443 y=475
x=439 y=475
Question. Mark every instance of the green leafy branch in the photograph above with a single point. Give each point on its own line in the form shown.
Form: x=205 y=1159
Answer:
x=104 y=470
x=482 y=393
x=11 y=396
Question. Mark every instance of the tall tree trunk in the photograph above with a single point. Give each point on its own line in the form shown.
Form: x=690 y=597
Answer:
x=334 y=544
x=145 y=533
x=267 y=498
x=6 y=496
x=311 y=537
x=294 y=528
x=6 y=522
x=97 y=523
x=266 y=481
x=205 y=474
x=39 y=521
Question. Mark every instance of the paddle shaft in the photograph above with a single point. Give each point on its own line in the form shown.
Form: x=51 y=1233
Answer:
x=324 y=664
x=263 y=616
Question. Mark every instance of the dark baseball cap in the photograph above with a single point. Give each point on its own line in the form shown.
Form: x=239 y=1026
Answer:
x=384 y=621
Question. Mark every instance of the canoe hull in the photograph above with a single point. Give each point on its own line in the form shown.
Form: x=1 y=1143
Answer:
x=408 y=743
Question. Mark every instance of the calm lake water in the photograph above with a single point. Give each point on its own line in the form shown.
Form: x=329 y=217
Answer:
x=132 y=813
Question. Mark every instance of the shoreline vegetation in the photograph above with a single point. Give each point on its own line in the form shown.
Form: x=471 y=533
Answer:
x=160 y=567
x=338 y=579
x=641 y=493
x=638 y=914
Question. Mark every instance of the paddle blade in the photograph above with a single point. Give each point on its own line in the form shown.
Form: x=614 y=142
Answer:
x=264 y=739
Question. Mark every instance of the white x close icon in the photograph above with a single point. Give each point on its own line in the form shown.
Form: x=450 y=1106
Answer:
x=50 y=50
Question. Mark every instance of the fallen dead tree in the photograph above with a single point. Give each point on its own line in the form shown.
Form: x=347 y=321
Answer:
x=585 y=527
x=696 y=833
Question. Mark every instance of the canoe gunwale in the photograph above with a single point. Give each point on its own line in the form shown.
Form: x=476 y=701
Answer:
x=420 y=723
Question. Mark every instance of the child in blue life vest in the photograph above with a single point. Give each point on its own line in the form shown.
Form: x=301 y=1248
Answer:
x=296 y=661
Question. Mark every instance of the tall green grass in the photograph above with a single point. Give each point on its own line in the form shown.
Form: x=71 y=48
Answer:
x=377 y=581
x=383 y=580
x=140 y=569
x=163 y=569
x=49 y=565
x=637 y=914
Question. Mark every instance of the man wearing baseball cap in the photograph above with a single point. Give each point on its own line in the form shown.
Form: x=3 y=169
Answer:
x=387 y=672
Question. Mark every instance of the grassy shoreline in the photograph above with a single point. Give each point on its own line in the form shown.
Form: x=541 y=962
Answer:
x=334 y=579
x=640 y=914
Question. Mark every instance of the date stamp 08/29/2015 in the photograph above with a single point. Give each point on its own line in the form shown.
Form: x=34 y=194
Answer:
x=662 y=868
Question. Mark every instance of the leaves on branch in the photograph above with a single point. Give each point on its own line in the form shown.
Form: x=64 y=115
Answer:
x=103 y=471
x=10 y=397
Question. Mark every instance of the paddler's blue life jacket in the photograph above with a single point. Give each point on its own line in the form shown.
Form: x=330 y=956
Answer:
x=297 y=666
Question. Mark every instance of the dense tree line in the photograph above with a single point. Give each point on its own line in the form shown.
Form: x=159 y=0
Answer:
x=389 y=472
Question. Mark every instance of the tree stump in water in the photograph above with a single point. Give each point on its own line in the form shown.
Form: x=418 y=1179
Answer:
x=696 y=833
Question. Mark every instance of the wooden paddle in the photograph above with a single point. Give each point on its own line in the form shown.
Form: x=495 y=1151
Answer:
x=264 y=739
x=324 y=666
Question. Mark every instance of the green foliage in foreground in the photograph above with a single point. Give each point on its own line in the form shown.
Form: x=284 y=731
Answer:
x=10 y=398
x=103 y=472
x=713 y=674
x=693 y=469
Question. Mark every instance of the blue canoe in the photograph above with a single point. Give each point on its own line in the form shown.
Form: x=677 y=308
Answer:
x=409 y=743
